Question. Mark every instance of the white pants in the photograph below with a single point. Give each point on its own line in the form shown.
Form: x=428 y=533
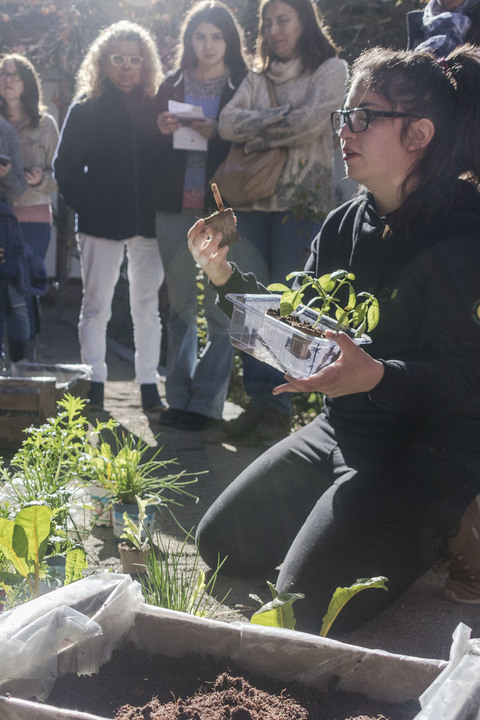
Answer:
x=101 y=260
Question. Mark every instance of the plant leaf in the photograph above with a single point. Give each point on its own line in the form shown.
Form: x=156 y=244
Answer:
x=373 y=314
x=35 y=521
x=343 y=594
x=6 y=546
x=278 y=612
x=75 y=563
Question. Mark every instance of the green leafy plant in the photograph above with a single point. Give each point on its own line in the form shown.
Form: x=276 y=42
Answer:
x=175 y=583
x=332 y=293
x=126 y=472
x=23 y=546
x=279 y=612
x=48 y=465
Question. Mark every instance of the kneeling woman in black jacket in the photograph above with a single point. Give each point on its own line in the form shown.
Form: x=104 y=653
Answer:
x=378 y=482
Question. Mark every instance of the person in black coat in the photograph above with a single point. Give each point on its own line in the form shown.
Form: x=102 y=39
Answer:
x=378 y=483
x=211 y=65
x=107 y=165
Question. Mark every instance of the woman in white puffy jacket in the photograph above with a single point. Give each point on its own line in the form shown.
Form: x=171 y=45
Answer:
x=297 y=55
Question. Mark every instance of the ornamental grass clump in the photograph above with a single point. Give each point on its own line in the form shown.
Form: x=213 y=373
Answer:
x=125 y=469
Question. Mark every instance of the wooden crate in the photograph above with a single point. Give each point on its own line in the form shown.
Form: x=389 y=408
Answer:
x=31 y=396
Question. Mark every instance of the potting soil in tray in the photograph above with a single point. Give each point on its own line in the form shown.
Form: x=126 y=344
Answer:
x=135 y=686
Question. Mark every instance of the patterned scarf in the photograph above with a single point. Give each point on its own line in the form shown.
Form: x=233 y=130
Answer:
x=444 y=31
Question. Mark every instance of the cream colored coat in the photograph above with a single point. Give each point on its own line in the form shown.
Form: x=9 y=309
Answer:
x=300 y=122
x=37 y=145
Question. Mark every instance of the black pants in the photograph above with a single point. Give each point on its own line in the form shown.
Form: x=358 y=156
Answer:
x=335 y=507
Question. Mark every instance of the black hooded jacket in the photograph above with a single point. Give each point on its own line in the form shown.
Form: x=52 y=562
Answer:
x=428 y=336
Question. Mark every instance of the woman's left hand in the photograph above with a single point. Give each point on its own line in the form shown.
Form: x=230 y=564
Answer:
x=355 y=371
x=34 y=176
x=207 y=128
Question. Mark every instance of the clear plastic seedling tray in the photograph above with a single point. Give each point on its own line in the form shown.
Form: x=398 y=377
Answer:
x=274 y=342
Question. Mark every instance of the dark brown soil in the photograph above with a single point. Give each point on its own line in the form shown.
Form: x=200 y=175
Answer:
x=224 y=222
x=134 y=686
x=296 y=323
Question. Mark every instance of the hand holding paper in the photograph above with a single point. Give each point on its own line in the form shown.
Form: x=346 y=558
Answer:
x=186 y=138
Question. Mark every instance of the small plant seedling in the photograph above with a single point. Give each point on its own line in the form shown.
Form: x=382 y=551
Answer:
x=333 y=293
x=133 y=533
x=279 y=612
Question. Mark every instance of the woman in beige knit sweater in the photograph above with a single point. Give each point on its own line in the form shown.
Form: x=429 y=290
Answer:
x=297 y=54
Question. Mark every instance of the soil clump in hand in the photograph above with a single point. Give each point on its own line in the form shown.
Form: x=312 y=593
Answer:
x=223 y=221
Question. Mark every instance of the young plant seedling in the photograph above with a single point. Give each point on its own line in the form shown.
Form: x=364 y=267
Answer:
x=360 y=311
x=134 y=533
x=279 y=612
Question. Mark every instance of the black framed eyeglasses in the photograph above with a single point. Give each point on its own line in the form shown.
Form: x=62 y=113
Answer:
x=14 y=76
x=358 y=119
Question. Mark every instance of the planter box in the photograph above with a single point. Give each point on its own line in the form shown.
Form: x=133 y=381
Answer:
x=75 y=629
x=31 y=396
x=274 y=342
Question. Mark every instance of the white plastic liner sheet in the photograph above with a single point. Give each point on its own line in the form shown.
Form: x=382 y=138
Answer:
x=90 y=617
x=455 y=694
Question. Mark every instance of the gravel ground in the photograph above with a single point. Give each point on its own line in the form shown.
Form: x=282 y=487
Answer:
x=421 y=623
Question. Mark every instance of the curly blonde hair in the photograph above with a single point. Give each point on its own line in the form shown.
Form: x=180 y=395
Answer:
x=91 y=76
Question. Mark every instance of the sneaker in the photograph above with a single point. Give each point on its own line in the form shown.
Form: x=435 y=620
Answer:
x=95 y=395
x=196 y=421
x=463 y=559
x=171 y=417
x=244 y=424
x=465 y=592
x=150 y=398
x=274 y=425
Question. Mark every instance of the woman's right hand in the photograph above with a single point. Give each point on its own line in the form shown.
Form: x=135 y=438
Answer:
x=167 y=123
x=205 y=251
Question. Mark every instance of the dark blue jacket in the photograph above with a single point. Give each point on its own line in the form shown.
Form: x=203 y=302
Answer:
x=107 y=163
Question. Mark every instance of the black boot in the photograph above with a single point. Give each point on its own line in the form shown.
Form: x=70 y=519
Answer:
x=95 y=395
x=17 y=349
x=150 y=398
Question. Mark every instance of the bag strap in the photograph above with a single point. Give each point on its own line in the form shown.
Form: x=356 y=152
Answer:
x=271 y=92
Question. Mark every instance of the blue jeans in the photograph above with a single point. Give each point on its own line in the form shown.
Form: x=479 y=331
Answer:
x=37 y=235
x=278 y=245
x=194 y=383
x=13 y=312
